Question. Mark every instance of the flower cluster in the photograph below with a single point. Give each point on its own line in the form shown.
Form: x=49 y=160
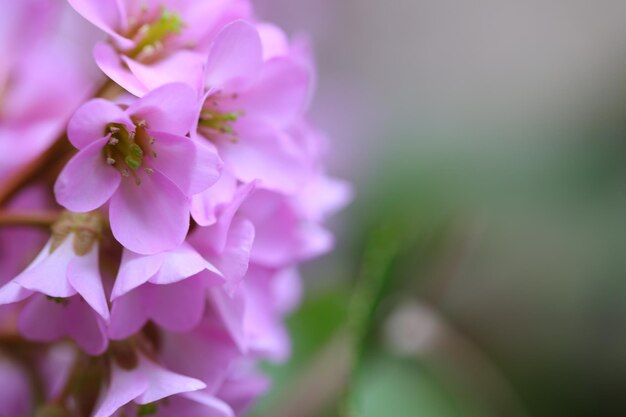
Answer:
x=160 y=186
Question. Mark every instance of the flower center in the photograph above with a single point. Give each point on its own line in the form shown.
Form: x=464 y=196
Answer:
x=151 y=36
x=128 y=150
x=213 y=120
x=222 y=122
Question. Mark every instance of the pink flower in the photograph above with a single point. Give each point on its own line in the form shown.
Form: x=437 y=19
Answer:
x=16 y=395
x=144 y=383
x=168 y=288
x=199 y=113
x=140 y=160
x=65 y=267
x=152 y=43
x=228 y=242
x=48 y=320
x=253 y=313
x=31 y=39
x=249 y=103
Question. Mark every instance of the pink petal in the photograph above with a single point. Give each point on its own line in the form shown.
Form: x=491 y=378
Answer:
x=315 y=241
x=131 y=311
x=83 y=274
x=280 y=93
x=50 y=275
x=242 y=388
x=42 y=320
x=206 y=19
x=322 y=196
x=163 y=383
x=263 y=326
x=234 y=260
x=220 y=232
x=111 y=64
x=107 y=16
x=266 y=154
x=124 y=386
x=151 y=217
x=236 y=54
x=204 y=204
x=230 y=310
x=171 y=108
x=87 y=182
x=287 y=289
x=208 y=405
x=85 y=327
x=279 y=232
x=45 y=320
x=16 y=396
x=209 y=352
x=181 y=263
x=12 y=292
x=179 y=306
x=135 y=270
x=192 y=166
x=274 y=40
x=180 y=67
x=90 y=121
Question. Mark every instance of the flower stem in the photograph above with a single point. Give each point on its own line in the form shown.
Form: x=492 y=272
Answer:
x=25 y=218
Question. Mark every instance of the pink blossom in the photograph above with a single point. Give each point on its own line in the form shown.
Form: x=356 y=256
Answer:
x=16 y=395
x=48 y=320
x=66 y=266
x=30 y=39
x=155 y=271
x=168 y=288
x=156 y=42
x=249 y=103
x=145 y=383
x=140 y=160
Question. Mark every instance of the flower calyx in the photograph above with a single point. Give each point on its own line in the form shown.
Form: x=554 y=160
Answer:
x=86 y=229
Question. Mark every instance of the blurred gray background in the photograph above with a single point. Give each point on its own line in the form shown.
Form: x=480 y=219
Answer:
x=498 y=130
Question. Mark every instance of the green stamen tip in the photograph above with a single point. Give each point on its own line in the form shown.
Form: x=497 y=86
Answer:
x=147 y=409
x=132 y=162
x=231 y=117
x=136 y=151
x=58 y=300
x=168 y=24
x=171 y=22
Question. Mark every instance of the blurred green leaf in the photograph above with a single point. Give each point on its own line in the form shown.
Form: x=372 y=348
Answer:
x=393 y=387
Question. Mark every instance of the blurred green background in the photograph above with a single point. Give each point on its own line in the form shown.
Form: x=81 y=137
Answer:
x=480 y=270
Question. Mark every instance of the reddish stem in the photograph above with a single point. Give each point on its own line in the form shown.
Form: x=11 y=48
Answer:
x=28 y=218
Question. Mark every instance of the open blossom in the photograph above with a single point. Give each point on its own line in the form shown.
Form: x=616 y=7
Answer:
x=140 y=160
x=249 y=102
x=144 y=383
x=167 y=288
x=155 y=42
x=66 y=266
x=158 y=210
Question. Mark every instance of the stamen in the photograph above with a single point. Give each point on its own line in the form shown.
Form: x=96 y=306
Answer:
x=152 y=35
x=148 y=51
x=110 y=161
